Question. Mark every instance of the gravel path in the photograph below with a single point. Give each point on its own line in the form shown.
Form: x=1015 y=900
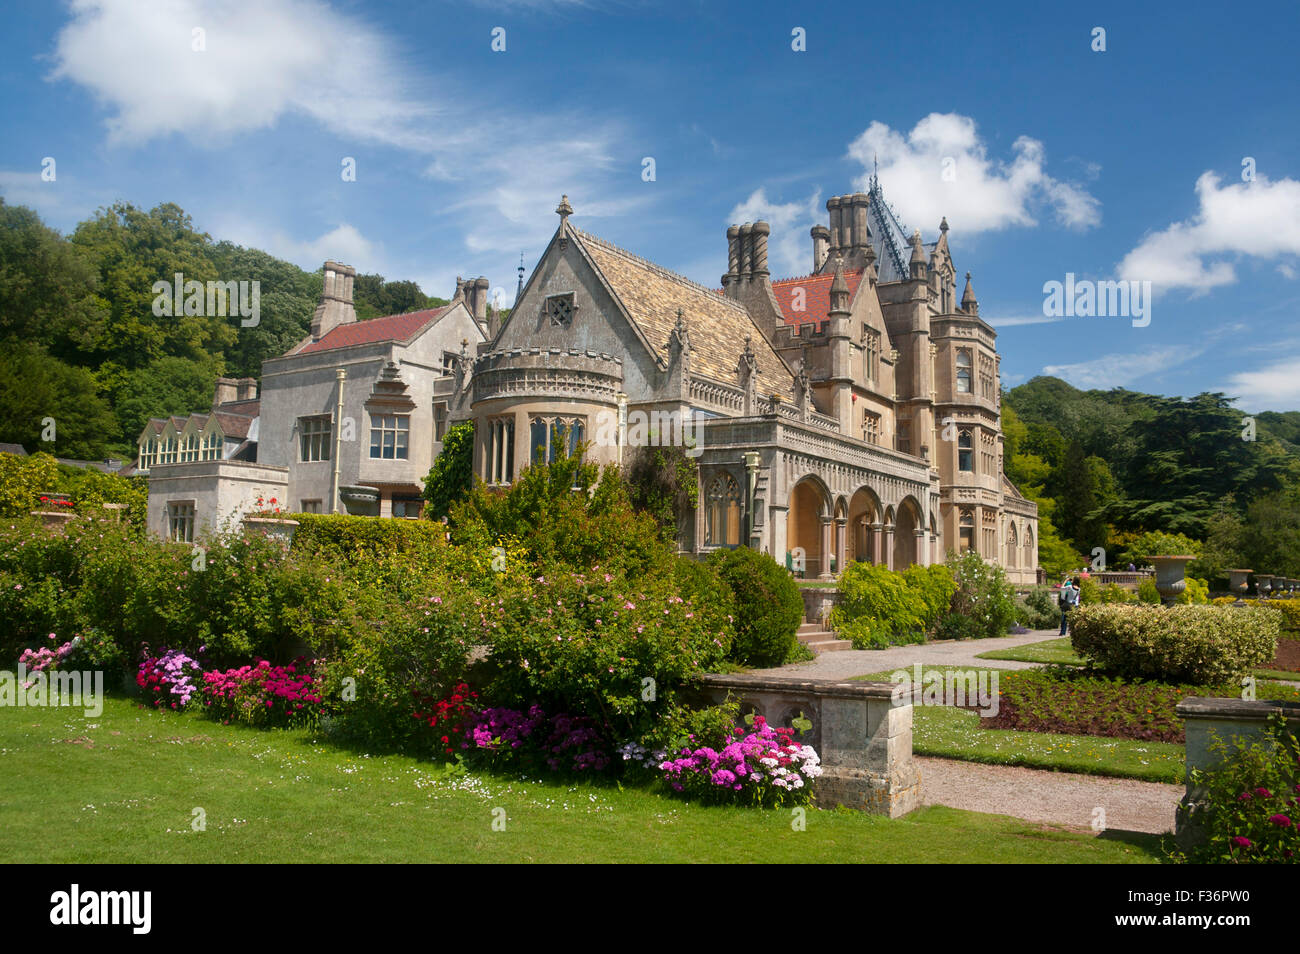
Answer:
x=1057 y=798
x=949 y=652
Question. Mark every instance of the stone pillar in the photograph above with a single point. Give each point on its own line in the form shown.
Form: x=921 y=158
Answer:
x=877 y=536
x=922 y=551
x=840 y=551
x=889 y=547
x=827 y=543
x=779 y=539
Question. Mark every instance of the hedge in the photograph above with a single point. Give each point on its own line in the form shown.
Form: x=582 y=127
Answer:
x=1206 y=645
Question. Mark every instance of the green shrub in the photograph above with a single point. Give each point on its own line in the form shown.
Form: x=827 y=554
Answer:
x=1246 y=812
x=1159 y=543
x=361 y=539
x=1038 y=609
x=880 y=608
x=1192 y=644
x=451 y=477
x=421 y=646
x=1196 y=592
x=983 y=595
x=613 y=650
x=1089 y=591
x=1114 y=593
x=568 y=512
x=1147 y=592
x=23 y=480
x=768 y=606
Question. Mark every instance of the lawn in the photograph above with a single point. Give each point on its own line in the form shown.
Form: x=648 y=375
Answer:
x=124 y=788
x=952 y=733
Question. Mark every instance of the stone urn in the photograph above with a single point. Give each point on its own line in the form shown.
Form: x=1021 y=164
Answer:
x=1171 y=576
x=1239 y=584
x=1263 y=585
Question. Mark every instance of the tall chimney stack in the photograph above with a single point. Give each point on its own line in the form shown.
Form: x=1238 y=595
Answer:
x=837 y=233
x=335 y=307
x=480 y=298
x=820 y=236
x=761 y=231
x=733 y=256
x=746 y=251
x=860 y=233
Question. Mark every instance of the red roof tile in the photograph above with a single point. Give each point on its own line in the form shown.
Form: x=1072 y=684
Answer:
x=388 y=328
x=816 y=298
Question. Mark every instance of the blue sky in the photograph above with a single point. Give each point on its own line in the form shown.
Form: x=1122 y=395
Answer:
x=1123 y=163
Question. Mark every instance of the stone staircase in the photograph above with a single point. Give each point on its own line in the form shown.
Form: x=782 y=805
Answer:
x=821 y=640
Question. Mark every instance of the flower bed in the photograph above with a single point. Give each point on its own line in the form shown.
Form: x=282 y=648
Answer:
x=170 y=679
x=764 y=767
x=262 y=695
x=1075 y=703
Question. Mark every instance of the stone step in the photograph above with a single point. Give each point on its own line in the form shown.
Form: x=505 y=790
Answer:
x=829 y=646
x=811 y=628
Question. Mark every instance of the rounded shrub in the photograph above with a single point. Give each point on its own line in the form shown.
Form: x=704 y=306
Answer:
x=1201 y=645
x=983 y=595
x=880 y=608
x=768 y=606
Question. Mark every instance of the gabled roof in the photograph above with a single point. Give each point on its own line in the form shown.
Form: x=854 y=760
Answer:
x=717 y=326
x=816 y=297
x=234 y=425
x=389 y=328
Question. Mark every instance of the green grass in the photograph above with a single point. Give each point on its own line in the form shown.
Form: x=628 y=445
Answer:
x=123 y=787
x=950 y=733
x=1048 y=651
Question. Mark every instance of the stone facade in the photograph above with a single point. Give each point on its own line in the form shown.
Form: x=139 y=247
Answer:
x=851 y=414
x=349 y=420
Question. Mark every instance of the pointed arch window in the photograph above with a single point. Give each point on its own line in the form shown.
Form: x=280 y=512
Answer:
x=966 y=531
x=722 y=512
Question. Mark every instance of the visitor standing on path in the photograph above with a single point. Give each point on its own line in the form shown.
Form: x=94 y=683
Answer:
x=1068 y=599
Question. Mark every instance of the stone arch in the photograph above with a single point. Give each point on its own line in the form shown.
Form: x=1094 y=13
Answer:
x=864 y=537
x=1013 y=545
x=1031 y=551
x=907 y=543
x=809 y=526
x=788 y=712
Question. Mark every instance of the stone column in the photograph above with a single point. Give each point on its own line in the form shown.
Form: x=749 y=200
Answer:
x=778 y=532
x=889 y=547
x=921 y=548
x=877 y=535
x=840 y=551
x=827 y=543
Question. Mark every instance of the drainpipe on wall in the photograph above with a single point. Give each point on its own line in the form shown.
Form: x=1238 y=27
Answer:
x=341 y=375
x=622 y=425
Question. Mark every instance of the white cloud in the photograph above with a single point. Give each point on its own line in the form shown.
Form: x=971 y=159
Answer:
x=1259 y=219
x=1124 y=368
x=1274 y=386
x=789 y=248
x=1287 y=271
x=982 y=194
x=280 y=59
x=260 y=63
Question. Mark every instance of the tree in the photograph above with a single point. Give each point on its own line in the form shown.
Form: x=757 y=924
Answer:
x=37 y=389
x=452 y=476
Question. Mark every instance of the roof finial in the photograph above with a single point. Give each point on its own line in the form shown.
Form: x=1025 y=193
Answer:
x=519 y=289
x=943 y=224
x=564 y=210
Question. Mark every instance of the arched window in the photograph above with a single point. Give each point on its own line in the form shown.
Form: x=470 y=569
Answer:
x=1012 y=545
x=966 y=531
x=1031 y=554
x=963 y=371
x=965 y=452
x=722 y=512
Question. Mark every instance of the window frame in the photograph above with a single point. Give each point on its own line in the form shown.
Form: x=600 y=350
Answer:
x=401 y=436
x=720 y=505
x=963 y=373
x=315 y=433
x=181 y=514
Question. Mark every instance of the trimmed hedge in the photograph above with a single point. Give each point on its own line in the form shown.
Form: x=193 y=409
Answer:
x=357 y=538
x=1290 y=610
x=1193 y=644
